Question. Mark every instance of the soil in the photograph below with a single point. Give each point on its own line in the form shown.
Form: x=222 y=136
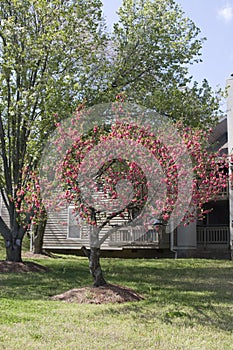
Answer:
x=26 y=266
x=19 y=267
x=109 y=293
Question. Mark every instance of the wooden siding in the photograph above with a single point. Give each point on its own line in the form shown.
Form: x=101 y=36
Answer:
x=4 y=212
x=56 y=233
x=56 y=236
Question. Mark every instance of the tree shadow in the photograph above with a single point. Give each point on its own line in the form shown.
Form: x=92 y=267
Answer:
x=181 y=294
x=175 y=292
x=62 y=275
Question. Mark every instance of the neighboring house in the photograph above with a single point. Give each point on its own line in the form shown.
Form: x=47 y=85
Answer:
x=211 y=237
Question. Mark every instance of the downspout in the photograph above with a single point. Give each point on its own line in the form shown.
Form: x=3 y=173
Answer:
x=31 y=237
x=172 y=239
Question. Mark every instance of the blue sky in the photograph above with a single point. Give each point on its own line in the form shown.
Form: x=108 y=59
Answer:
x=215 y=19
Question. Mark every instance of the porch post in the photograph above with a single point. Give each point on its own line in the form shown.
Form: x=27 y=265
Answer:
x=229 y=84
x=186 y=238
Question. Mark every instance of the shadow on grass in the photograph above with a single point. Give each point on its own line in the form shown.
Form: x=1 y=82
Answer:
x=63 y=274
x=184 y=292
x=181 y=292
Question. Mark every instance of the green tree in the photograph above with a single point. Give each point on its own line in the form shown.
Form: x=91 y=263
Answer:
x=47 y=50
x=150 y=51
x=55 y=54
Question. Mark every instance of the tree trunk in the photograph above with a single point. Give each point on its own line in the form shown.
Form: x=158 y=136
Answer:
x=38 y=237
x=14 y=250
x=94 y=265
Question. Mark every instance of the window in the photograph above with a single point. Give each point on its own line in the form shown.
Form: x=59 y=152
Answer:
x=74 y=227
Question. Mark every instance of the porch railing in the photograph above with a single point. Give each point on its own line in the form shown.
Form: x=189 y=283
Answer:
x=223 y=194
x=134 y=235
x=213 y=235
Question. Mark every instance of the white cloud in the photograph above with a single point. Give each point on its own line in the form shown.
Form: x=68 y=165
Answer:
x=226 y=13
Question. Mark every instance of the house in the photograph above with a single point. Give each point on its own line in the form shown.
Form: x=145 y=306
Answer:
x=213 y=236
x=210 y=238
x=65 y=234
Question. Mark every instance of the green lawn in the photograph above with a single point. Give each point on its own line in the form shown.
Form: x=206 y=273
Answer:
x=188 y=305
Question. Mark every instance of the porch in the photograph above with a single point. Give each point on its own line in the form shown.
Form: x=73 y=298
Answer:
x=207 y=237
x=137 y=237
x=216 y=237
x=223 y=194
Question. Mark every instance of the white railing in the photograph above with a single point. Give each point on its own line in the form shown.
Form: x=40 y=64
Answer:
x=223 y=194
x=213 y=235
x=134 y=234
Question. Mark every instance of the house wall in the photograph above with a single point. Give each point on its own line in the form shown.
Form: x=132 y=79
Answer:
x=56 y=233
x=130 y=239
x=4 y=212
x=187 y=237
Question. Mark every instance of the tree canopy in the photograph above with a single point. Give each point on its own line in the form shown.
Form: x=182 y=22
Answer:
x=46 y=49
x=57 y=54
x=151 y=48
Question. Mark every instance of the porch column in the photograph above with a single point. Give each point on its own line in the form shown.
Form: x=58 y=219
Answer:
x=229 y=84
x=187 y=237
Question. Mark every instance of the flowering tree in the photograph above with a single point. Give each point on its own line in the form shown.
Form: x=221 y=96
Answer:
x=55 y=54
x=123 y=172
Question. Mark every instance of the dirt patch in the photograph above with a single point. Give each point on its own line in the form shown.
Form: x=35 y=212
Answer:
x=31 y=255
x=109 y=293
x=18 y=267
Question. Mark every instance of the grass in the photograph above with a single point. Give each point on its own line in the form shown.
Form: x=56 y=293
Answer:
x=188 y=305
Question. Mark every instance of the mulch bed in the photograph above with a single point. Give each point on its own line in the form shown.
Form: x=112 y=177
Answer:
x=19 y=267
x=109 y=293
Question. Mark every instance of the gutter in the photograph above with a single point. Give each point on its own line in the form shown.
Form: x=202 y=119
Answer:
x=172 y=239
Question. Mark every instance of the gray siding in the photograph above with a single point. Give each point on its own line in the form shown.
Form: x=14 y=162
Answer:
x=4 y=212
x=56 y=233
